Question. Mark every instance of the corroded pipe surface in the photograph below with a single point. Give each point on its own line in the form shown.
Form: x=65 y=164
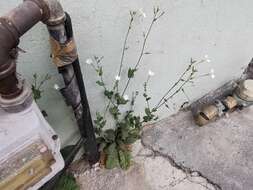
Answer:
x=12 y=26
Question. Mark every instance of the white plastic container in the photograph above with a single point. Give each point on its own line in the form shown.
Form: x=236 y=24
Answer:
x=25 y=139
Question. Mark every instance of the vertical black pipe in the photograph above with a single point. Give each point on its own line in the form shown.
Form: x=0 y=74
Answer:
x=91 y=145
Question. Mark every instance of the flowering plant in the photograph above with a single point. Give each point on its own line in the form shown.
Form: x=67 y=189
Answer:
x=38 y=84
x=115 y=142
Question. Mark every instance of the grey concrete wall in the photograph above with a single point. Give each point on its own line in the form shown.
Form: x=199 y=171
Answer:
x=191 y=28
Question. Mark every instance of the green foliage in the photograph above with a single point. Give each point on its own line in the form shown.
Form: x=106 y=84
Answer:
x=124 y=159
x=149 y=115
x=115 y=141
x=37 y=85
x=36 y=93
x=131 y=73
x=100 y=71
x=108 y=94
x=115 y=112
x=100 y=122
x=100 y=83
x=120 y=100
x=67 y=182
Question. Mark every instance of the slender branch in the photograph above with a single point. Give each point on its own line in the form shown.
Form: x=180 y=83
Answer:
x=46 y=78
x=125 y=43
x=187 y=97
x=145 y=91
x=193 y=63
x=155 y=18
x=175 y=84
x=122 y=56
x=96 y=68
x=176 y=92
x=35 y=80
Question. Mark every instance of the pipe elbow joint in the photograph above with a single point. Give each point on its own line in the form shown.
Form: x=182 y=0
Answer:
x=53 y=13
x=56 y=13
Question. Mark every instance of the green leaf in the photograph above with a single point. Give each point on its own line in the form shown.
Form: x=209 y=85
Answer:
x=146 y=119
x=120 y=100
x=112 y=160
x=148 y=98
x=124 y=159
x=124 y=133
x=131 y=72
x=154 y=110
x=131 y=140
x=115 y=112
x=67 y=182
x=135 y=132
x=100 y=83
x=100 y=71
x=36 y=93
x=108 y=94
x=111 y=149
x=147 y=111
x=35 y=76
x=99 y=122
x=109 y=135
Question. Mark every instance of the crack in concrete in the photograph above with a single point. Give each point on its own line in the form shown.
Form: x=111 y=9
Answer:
x=188 y=171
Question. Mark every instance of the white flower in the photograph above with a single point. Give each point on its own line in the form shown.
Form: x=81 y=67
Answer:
x=89 y=61
x=207 y=59
x=126 y=97
x=142 y=13
x=151 y=73
x=212 y=74
x=117 y=78
x=56 y=87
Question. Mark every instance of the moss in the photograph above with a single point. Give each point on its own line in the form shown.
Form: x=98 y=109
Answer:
x=67 y=182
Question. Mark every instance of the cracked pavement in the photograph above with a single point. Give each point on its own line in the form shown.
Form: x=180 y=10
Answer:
x=150 y=171
x=175 y=154
x=221 y=152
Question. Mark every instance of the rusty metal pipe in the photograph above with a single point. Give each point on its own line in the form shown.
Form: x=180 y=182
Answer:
x=14 y=94
x=12 y=26
x=25 y=16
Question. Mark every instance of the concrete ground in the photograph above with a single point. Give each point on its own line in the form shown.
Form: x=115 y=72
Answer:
x=221 y=151
x=150 y=171
x=175 y=154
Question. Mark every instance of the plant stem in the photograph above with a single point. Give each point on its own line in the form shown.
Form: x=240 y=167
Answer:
x=176 y=92
x=175 y=84
x=178 y=81
x=101 y=76
x=122 y=57
x=125 y=44
x=46 y=78
x=145 y=91
x=143 y=48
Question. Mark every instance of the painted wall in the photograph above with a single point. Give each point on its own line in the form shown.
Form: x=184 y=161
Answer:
x=191 y=28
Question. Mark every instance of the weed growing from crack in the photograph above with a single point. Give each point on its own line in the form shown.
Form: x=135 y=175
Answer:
x=115 y=143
